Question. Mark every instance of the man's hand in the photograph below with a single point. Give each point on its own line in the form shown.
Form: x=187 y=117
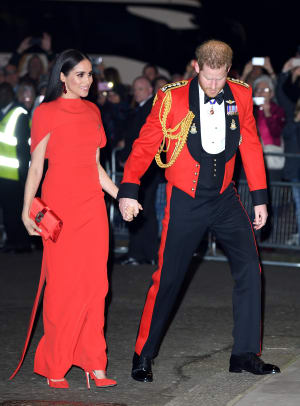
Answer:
x=129 y=208
x=261 y=215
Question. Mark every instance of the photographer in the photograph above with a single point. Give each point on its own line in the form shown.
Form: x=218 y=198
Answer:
x=270 y=119
x=35 y=67
x=257 y=67
x=291 y=87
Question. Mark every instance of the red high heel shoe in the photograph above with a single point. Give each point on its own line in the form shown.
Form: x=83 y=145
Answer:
x=58 y=384
x=100 y=383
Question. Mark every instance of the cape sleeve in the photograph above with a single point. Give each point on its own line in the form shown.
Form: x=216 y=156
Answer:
x=40 y=126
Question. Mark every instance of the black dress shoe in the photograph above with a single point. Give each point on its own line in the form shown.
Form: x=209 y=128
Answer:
x=252 y=363
x=141 y=368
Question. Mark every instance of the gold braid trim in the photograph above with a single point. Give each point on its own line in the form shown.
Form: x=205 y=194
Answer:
x=168 y=133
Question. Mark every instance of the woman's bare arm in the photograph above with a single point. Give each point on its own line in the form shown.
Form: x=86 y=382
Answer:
x=33 y=180
x=107 y=184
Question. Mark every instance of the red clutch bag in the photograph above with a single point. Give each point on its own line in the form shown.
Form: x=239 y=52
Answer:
x=45 y=219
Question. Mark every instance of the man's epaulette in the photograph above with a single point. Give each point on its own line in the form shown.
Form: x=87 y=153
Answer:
x=174 y=85
x=239 y=82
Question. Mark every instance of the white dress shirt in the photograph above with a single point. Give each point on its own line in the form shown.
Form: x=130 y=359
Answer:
x=213 y=127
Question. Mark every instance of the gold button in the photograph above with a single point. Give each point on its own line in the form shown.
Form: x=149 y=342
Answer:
x=194 y=181
x=196 y=173
x=197 y=165
x=215 y=174
x=215 y=160
x=193 y=189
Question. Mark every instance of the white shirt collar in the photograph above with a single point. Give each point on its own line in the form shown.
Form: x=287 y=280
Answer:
x=201 y=93
x=144 y=101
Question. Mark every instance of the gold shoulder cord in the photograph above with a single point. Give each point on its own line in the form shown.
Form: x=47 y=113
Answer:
x=168 y=133
x=239 y=82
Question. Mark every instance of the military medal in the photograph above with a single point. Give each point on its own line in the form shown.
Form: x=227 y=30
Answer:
x=233 y=125
x=231 y=110
x=230 y=101
x=212 y=102
x=193 y=129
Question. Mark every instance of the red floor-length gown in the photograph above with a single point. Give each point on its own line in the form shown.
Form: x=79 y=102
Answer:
x=75 y=266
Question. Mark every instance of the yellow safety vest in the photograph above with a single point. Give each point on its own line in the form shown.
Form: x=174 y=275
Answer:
x=9 y=162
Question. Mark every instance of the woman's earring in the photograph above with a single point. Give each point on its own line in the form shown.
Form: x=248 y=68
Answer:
x=64 y=87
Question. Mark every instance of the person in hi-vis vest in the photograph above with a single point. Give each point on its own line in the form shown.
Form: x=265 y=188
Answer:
x=14 y=162
x=201 y=123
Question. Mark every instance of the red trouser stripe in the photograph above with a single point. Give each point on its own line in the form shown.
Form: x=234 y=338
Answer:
x=152 y=293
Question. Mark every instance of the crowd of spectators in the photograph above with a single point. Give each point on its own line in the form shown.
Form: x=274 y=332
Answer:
x=276 y=99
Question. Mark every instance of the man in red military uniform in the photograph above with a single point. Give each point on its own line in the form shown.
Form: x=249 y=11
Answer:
x=201 y=123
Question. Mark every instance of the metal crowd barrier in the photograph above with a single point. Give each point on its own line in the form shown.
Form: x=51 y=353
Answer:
x=281 y=231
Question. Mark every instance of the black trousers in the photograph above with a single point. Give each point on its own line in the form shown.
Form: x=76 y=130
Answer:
x=11 y=201
x=185 y=223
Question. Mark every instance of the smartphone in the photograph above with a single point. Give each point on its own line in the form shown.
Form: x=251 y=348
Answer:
x=296 y=62
x=35 y=41
x=105 y=86
x=258 y=61
x=258 y=101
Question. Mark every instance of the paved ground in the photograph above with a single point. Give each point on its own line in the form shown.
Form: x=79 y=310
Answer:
x=192 y=367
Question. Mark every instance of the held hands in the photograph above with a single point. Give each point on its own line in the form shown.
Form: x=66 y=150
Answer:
x=30 y=225
x=261 y=215
x=129 y=208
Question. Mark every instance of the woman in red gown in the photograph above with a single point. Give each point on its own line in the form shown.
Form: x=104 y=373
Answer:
x=68 y=131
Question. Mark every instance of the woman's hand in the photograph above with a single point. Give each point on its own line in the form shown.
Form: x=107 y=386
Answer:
x=129 y=208
x=288 y=65
x=25 y=44
x=268 y=66
x=30 y=225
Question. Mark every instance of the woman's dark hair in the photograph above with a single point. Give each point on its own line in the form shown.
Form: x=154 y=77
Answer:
x=111 y=74
x=64 y=62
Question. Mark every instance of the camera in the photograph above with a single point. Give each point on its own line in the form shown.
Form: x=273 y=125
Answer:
x=258 y=101
x=258 y=61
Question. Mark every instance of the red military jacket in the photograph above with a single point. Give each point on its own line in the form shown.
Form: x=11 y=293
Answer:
x=184 y=173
